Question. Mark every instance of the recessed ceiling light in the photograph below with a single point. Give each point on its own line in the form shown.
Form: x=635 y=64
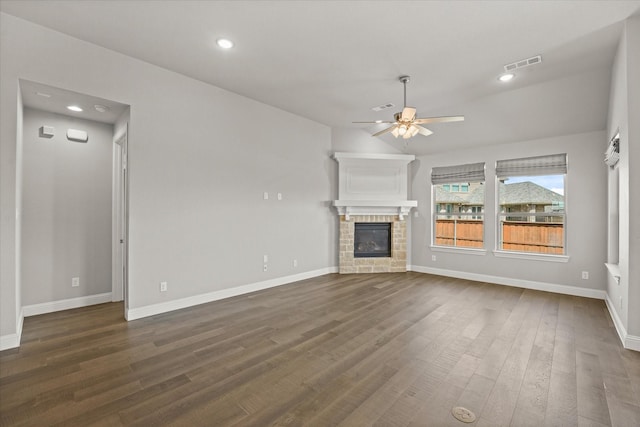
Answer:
x=101 y=108
x=225 y=43
x=74 y=108
x=506 y=77
x=378 y=121
x=44 y=95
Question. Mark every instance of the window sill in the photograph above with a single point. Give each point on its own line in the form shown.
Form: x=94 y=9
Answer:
x=531 y=256
x=614 y=270
x=458 y=250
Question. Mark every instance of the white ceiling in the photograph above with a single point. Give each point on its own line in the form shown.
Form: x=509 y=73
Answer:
x=34 y=95
x=332 y=61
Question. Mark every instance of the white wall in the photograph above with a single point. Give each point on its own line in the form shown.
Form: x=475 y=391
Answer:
x=624 y=110
x=66 y=209
x=633 y=87
x=200 y=159
x=585 y=204
x=359 y=141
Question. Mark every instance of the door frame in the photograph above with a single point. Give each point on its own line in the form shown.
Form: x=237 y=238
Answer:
x=120 y=220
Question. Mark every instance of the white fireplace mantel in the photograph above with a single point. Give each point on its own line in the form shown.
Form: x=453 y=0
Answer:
x=373 y=184
x=374 y=207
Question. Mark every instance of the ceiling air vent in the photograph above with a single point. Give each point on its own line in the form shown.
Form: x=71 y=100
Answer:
x=383 y=107
x=523 y=63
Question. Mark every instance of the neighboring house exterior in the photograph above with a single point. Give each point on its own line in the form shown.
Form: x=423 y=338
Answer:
x=516 y=197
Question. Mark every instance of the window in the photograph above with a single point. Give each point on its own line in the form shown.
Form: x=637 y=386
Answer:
x=456 y=188
x=531 y=211
x=458 y=214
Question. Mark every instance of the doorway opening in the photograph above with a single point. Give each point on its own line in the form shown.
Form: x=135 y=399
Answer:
x=74 y=190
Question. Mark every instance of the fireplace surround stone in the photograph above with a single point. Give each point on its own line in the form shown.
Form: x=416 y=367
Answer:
x=395 y=264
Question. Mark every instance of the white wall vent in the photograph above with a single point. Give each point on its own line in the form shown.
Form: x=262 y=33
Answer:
x=383 y=107
x=523 y=63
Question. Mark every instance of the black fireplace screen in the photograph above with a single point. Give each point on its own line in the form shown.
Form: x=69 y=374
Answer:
x=372 y=239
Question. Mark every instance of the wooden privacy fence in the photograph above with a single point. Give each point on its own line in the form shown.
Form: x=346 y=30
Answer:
x=536 y=237
x=541 y=237
x=459 y=232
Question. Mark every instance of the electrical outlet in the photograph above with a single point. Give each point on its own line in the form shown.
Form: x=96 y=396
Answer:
x=264 y=267
x=75 y=282
x=433 y=257
x=585 y=275
x=265 y=195
x=279 y=196
x=295 y=263
x=163 y=286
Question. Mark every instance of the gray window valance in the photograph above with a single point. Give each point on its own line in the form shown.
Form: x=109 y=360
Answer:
x=473 y=172
x=555 y=164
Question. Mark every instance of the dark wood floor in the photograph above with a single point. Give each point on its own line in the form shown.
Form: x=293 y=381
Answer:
x=351 y=350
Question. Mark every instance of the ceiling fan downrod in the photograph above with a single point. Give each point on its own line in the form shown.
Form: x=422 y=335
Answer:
x=405 y=80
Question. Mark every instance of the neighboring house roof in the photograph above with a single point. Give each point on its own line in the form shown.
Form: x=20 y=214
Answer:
x=448 y=197
x=476 y=197
x=518 y=193
x=527 y=193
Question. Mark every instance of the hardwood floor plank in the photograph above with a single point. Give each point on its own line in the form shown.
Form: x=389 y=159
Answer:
x=394 y=349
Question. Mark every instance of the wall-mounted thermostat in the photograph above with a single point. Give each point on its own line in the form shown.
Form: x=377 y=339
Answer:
x=77 y=135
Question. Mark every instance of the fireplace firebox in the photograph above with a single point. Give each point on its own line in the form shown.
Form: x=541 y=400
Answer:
x=372 y=240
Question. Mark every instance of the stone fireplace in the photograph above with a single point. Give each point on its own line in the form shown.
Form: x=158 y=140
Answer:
x=395 y=263
x=373 y=195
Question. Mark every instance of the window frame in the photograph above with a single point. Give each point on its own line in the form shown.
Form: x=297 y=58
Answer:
x=476 y=216
x=500 y=252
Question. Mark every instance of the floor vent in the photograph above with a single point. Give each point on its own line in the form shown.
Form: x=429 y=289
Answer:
x=523 y=63
x=463 y=414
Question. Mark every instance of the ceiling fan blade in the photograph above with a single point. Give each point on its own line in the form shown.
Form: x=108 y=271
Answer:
x=376 y=122
x=408 y=114
x=439 y=119
x=389 y=129
x=423 y=131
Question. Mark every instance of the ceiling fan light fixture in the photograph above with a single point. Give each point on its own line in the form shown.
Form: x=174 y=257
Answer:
x=406 y=124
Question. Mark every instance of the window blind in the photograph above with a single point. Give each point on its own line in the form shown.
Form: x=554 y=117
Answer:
x=555 y=164
x=473 y=172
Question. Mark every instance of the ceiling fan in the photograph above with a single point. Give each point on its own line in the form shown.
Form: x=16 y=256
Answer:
x=406 y=124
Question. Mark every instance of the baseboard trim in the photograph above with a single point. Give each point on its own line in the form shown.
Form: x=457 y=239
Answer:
x=152 y=310
x=65 y=304
x=9 y=341
x=13 y=340
x=630 y=342
x=518 y=283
